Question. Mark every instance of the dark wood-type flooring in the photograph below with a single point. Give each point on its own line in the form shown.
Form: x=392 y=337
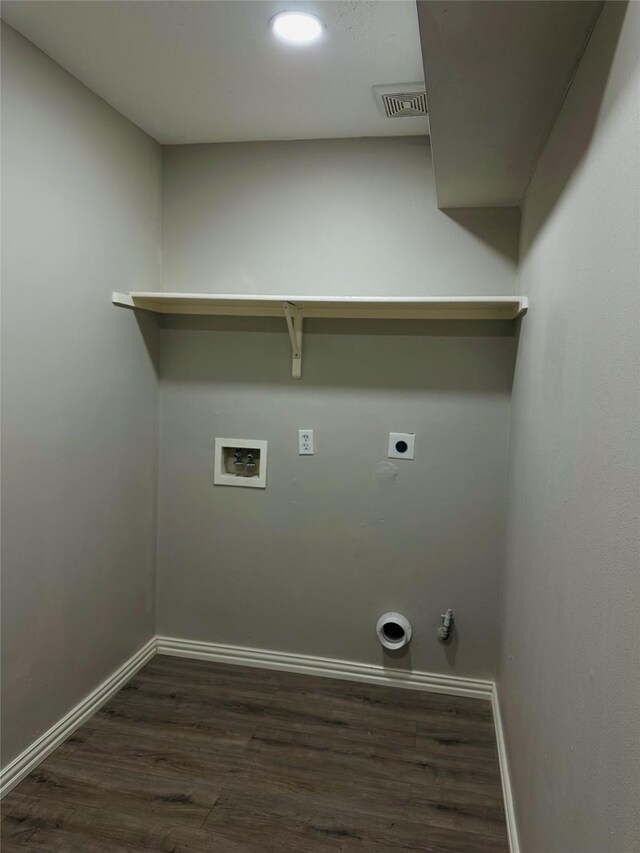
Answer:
x=202 y=757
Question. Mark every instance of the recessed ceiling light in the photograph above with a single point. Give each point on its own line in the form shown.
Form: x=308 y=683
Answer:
x=297 y=27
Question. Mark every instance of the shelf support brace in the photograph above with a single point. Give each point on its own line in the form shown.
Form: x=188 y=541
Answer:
x=293 y=316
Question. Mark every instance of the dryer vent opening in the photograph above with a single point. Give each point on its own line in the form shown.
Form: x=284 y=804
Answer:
x=393 y=630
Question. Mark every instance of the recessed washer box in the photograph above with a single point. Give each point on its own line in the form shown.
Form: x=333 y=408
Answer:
x=240 y=462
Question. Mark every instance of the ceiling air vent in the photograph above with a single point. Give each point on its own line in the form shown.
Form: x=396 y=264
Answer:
x=401 y=101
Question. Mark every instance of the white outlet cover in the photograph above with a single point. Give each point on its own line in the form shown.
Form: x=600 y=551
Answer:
x=222 y=478
x=402 y=445
x=305 y=442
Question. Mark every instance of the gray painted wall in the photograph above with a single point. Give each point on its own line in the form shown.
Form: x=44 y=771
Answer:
x=308 y=565
x=569 y=675
x=80 y=216
x=336 y=539
x=339 y=216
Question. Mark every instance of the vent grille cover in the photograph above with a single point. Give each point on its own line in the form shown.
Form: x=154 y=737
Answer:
x=405 y=104
x=402 y=100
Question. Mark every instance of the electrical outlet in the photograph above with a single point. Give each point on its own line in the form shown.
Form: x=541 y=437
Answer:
x=402 y=445
x=305 y=442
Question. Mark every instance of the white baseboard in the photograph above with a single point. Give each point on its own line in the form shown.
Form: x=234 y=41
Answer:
x=348 y=670
x=509 y=810
x=51 y=739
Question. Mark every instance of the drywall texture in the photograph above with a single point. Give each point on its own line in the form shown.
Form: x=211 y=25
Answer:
x=336 y=539
x=569 y=674
x=80 y=216
x=339 y=217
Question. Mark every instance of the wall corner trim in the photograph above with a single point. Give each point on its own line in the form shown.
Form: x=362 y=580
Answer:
x=21 y=766
x=507 y=794
x=329 y=667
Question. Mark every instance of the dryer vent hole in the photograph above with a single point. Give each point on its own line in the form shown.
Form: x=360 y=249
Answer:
x=393 y=631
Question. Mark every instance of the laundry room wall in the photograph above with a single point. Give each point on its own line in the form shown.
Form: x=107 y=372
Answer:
x=568 y=663
x=80 y=215
x=336 y=539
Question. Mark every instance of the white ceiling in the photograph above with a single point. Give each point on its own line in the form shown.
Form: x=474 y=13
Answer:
x=211 y=71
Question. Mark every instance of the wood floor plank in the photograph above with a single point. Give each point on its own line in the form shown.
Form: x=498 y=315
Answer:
x=290 y=706
x=264 y=798
x=121 y=792
x=217 y=699
x=223 y=707
x=236 y=839
x=362 y=778
x=456 y=744
x=11 y=847
x=326 y=737
x=324 y=777
x=179 y=724
x=212 y=672
x=355 y=823
x=211 y=763
x=199 y=756
x=208 y=678
x=436 y=725
x=397 y=697
x=462 y=706
x=61 y=827
x=374 y=755
x=450 y=809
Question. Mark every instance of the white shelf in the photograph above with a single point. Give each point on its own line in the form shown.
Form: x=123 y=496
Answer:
x=352 y=307
x=295 y=308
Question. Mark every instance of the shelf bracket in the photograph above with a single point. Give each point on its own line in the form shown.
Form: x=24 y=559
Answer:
x=293 y=316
